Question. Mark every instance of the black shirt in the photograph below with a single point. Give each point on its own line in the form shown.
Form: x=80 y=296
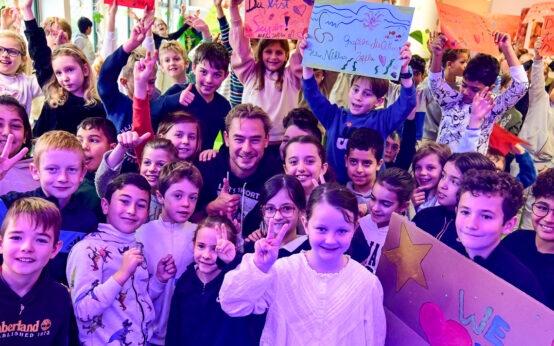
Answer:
x=522 y=244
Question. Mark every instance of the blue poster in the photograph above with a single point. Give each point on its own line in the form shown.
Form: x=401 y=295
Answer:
x=357 y=37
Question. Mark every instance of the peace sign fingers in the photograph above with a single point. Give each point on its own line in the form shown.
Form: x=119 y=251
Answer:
x=225 y=250
x=6 y=163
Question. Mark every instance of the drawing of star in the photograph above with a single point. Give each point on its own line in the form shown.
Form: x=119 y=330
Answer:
x=408 y=257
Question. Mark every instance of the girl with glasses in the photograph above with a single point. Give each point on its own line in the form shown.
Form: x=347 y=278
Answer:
x=281 y=200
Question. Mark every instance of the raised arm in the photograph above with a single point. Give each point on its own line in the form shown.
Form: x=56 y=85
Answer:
x=242 y=59
x=38 y=48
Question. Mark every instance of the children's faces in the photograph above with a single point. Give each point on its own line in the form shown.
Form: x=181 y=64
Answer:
x=184 y=137
x=95 y=144
x=480 y=222
x=70 y=75
x=274 y=57
x=544 y=225
x=10 y=64
x=204 y=254
x=449 y=184
x=11 y=123
x=427 y=172
x=392 y=147
x=60 y=172
x=361 y=97
x=329 y=234
x=247 y=141
x=26 y=248
x=278 y=204
x=458 y=66
x=382 y=203
x=208 y=79
x=173 y=64
x=179 y=201
x=152 y=161
x=161 y=28
x=128 y=208
x=362 y=167
x=302 y=160
x=468 y=89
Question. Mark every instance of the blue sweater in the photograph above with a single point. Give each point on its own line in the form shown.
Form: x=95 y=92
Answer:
x=339 y=122
x=119 y=107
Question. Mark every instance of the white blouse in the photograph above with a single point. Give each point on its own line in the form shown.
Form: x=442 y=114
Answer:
x=306 y=307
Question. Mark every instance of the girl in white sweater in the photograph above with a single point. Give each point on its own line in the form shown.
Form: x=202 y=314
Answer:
x=320 y=296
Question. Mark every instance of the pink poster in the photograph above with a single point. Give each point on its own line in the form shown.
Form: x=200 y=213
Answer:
x=433 y=295
x=277 y=19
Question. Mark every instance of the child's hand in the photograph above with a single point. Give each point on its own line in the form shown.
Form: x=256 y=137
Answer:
x=130 y=139
x=187 y=96
x=132 y=258
x=138 y=34
x=303 y=44
x=255 y=236
x=225 y=203
x=517 y=149
x=483 y=103
x=432 y=37
x=200 y=25
x=144 y=67
x=7 y=162
x=166 y=269
x=183 y=8
x=321 y=181
x=538 y=46
x=8 y=18
x=438 y=46
x=503 y=40
x=405 y=56
x=207 y=155
x=267 y=249
x=224 y=249
x=26 y=4
x=132 y=15
x=419 y=197
x=362 y=209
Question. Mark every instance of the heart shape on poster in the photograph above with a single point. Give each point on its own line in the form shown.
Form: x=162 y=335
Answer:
x=438 y=330
x=383 y=60
x=299 y=10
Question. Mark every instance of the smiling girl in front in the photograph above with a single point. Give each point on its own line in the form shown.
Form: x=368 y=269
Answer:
x=348 y=311
x=427 y=167
x=196 y=317
x=66 y=77
x=267 y=81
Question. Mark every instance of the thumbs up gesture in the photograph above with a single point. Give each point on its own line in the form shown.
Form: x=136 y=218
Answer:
x=225 y=203
x=187 y=96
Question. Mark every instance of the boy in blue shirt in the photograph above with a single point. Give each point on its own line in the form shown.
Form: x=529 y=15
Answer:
x=366 y=93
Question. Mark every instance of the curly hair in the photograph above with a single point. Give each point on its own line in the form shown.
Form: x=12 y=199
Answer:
x=544 y=185
x=495 y=183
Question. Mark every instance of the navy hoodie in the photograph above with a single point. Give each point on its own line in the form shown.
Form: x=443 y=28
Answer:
x=41 y=317
x=196 y=317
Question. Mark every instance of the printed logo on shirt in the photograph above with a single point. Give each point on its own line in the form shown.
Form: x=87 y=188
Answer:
x=342 y=140
x=25 y=330
x=69 y=238
x=248 y=199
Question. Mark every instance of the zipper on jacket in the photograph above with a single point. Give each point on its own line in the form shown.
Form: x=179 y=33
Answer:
x=203 y=288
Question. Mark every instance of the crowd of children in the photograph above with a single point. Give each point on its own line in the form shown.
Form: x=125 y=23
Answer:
x=120 y=191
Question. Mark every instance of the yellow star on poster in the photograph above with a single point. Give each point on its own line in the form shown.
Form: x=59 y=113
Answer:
x=408 y=257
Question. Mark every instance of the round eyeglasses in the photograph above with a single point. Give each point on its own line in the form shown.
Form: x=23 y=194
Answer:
x=541 y=210
x=284 y=210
